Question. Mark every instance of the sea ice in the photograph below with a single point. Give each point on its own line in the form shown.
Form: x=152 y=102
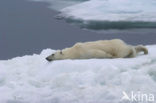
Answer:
x=31 y=79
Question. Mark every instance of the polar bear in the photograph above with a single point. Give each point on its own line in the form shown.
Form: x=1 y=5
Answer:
x=114 y=48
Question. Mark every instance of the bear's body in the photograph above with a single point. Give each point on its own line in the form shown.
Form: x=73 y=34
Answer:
x=115 y=48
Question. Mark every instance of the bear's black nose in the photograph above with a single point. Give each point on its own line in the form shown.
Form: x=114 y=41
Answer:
x=48 y=59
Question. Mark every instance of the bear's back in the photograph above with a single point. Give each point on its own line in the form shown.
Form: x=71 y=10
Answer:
x=100 y=44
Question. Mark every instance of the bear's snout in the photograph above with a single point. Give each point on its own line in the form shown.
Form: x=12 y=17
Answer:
x=48 y=59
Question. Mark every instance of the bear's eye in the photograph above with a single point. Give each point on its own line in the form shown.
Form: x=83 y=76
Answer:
x=60 y=52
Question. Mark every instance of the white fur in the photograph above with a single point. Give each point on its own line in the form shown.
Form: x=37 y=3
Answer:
x=115 y=48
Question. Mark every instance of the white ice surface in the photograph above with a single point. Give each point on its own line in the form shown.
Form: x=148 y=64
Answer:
x=113 y=10
x=31 y=79
x=106 y=10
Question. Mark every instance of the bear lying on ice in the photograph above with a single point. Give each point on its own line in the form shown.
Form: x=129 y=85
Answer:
x=115 y=48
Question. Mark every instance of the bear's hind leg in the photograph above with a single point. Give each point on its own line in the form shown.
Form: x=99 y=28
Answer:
x=132 y=53
x=140 y=48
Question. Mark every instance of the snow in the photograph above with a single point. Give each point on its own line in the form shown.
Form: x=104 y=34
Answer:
x=31 y=79
x=112 y=10
x=105 y=10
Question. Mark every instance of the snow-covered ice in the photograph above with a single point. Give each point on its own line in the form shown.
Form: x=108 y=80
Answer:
x=113 y=10
x=106 y=10
x=31 y=79
x=106 y=14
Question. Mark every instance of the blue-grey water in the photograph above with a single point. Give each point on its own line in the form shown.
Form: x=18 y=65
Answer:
x=29 y=27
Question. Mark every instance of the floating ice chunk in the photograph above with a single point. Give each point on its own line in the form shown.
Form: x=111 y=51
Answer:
x=113 y=10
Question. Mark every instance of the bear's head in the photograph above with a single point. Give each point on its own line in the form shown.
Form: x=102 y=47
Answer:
x=55 y=56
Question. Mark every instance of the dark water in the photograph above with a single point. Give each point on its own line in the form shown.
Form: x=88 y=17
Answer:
x=29 y=27
x=105 y=25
